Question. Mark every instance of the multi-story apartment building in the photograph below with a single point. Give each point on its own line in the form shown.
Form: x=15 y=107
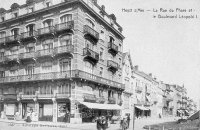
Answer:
x=60 y=58
x=143 y=85
x=128 y=80
x=167 y=100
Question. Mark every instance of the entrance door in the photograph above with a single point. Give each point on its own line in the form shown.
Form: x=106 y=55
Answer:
x=24 y=110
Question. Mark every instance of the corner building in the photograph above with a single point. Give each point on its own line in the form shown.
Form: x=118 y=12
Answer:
x=60 y=57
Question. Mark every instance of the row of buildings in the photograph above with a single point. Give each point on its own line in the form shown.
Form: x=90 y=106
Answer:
x=64 y=59
x=149 y=97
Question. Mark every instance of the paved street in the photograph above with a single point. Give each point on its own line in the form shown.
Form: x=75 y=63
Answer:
x=19 y=125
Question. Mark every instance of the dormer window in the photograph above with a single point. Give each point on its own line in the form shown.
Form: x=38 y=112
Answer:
x=2 y=18
x=47 y=4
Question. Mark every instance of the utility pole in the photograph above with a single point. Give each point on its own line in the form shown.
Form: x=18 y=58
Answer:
x=133 y=116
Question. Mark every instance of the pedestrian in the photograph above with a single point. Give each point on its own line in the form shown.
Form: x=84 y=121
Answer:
x=66 y=116
x=124 y=124
x=104 y=123
x=128 y=120
x=28 y=119
x=99 y=125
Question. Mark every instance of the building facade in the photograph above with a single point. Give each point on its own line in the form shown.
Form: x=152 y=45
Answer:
x=61 y=60
x=128 y=80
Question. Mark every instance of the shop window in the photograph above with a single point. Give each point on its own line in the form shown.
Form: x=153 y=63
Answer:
x=66 y=18
x=65 y=64
x=66 y=40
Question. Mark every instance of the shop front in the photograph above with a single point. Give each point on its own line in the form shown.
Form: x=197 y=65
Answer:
x=45 y=110
x=63 y=111
x=141 y=111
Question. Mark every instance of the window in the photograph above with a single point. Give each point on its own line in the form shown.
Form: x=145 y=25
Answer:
x=30 y=29
x=14 y=72
x=90 y=23
x=66 y=40
x=2 y=55
x=2 y=74
x=48 y=23
x=120 y=47
x=30 y=69
x=127 y=84
x=15 y=15
x=47 y=67
x=14 y=50
x=64 y=89
x=89 y=44
x=66 y=18
x=110 y=94
x=101 y=71
x=30 y=9
x=15 y=32
x=47 y=45
x=65 y=64
x=100 y=93
x=102 y=35
x=30 y=49
x=88 y=67
x=119 y=96
x=111 y=39
x=47 y=4
x=101 y=53
x=120 y=61
x=47 y=89
x=29 y=90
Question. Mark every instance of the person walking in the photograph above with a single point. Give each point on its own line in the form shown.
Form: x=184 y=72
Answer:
x=124 y=124
x=104 y=123
x=99 y=125
x=128 y=120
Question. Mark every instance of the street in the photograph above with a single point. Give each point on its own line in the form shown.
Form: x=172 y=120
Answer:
x=14 y=125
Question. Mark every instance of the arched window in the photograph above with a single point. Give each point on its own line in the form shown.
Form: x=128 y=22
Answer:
x=66 y=40
x=89 y=44
x=65 y=64
x=48 y=23
x=66 y=18
x=30 y=29
x=90 y=23
x=111 y=39
x=15 y=32
x=88 y=67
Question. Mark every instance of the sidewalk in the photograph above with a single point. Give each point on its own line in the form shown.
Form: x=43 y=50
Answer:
x=40 y=125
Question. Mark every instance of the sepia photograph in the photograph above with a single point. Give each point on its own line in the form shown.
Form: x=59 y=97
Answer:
x=99 y=64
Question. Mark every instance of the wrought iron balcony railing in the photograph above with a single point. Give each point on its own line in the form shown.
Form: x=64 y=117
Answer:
x=12 y=38
x=44 y=96
x=91 y=32
x=91 y=55
x=29 y=34
x=112 y=48
x=64 y=49
x=64 y=26
x=111 y=100
x=112 y=66
x=45 y=52
x=46 y=30
x=27 y=55
x=63 y=95
x=62 y=75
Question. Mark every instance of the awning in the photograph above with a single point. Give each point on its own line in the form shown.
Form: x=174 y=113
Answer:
x=142 y=108
x=101 y=106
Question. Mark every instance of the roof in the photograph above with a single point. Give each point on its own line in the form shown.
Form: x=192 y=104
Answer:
x=194 y=116
x=129 y=58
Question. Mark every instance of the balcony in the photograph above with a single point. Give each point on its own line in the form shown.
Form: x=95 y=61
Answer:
x=101 y=100
x=111 y=100
x=27 y=55
x=90 y=55
x=112 y=48
x=44 y=96
x=27 y=97
x=76 y=74
x=91 y=33
x=138 y=89
x=46 y=31
x=30 y=35
x=45 y=52
x=112 y=66
x=2 y=40
x=63 y=49
x=13 y=57
x=63 y=27
x=89 y=97
x=13 y=39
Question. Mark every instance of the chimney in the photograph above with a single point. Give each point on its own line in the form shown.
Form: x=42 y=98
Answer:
x=103 y=7
x=136 y=67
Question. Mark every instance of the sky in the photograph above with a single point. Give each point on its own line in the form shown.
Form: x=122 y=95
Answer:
x=167 y=48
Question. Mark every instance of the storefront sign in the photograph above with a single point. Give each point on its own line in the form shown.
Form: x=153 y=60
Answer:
x=89 y=98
